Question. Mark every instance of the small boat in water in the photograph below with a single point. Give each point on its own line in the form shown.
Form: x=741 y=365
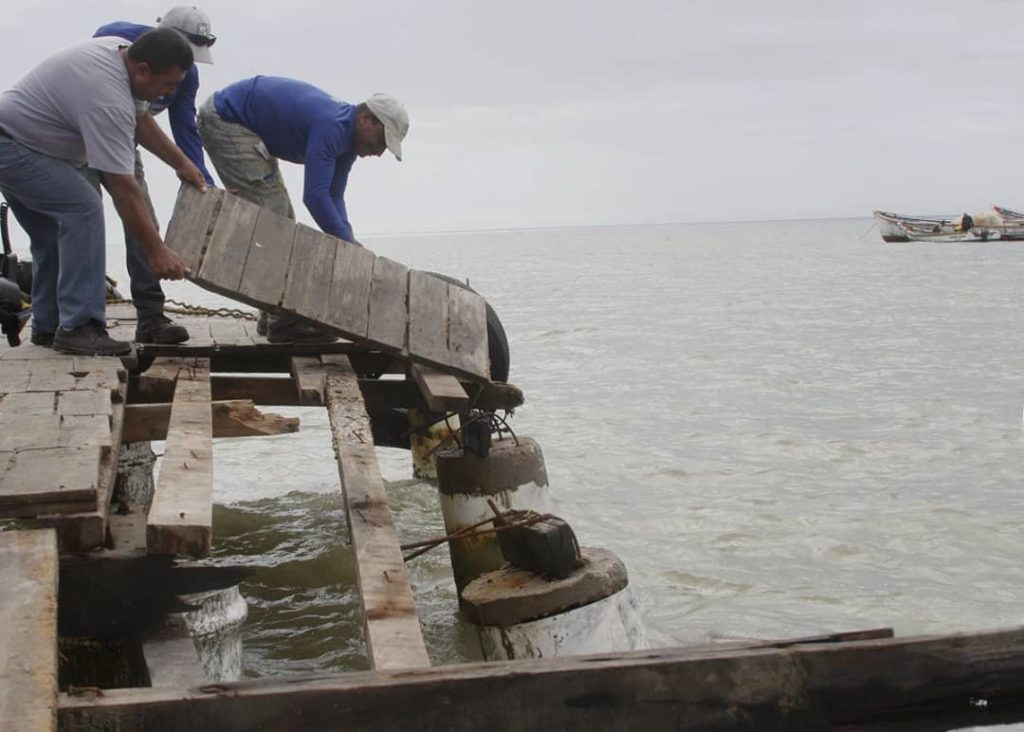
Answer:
x=997 y=224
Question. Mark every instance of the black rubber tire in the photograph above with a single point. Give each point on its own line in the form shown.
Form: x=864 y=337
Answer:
x=497 y=341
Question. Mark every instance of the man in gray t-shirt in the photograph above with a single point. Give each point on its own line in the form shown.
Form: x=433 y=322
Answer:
x=85 y=106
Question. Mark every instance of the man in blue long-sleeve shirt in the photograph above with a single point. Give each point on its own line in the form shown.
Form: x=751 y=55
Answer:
x=147 y=294
x=247 y=126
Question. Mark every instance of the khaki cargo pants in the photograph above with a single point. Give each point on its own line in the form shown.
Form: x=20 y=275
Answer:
x=242 y=160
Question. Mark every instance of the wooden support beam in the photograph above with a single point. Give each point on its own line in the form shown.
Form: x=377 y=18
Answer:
x=28 y=630
x=393 y=635
x=923 y=683
x=234 y=418
x=181 y=515
x=310 y=380
x=278 y=391
x=442 y=392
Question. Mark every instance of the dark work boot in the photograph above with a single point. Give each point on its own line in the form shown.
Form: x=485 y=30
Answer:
x=89 y=339
x=42 y=338
x=158 y=328
x=262 y=323
x=285 y=329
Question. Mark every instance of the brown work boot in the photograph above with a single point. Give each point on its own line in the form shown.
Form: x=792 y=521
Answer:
x=89 y=339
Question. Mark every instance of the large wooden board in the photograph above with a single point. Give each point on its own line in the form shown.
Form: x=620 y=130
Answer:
x=923 y=683
x=279 y=266
x=181 y=515
x=392 y=627
x=28 y=630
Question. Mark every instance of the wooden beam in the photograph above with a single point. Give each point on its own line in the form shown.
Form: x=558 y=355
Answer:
x=442 y=392
x=232 y=418
x=278 y=391
x=28 y=630
x=310 y=380
x=393 y=635
x=923 y=683
x=181 y=515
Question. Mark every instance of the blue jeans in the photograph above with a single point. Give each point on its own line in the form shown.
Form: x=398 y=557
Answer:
x=62 y=213
x=147 y=294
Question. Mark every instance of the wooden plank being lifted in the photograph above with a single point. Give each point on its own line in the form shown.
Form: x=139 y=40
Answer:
x=280 y=267
x=28 y=630
x=393 y=635
x=181 y=516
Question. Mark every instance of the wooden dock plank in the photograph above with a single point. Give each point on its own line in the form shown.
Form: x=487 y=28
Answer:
x=187 y=230
x=51 y=379
x=442 y=392
x=916 y=683
x=181 y=514
x=350 y=289
x=84 y=403
x=393 y=635
x=428 y=306
x=269 y=254
x=467 y=331
x=224 y=261
x=310 y=380
x=308 y=287
x=51 y=475
x=28 y=630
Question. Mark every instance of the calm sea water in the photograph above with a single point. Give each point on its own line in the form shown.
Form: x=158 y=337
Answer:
x=782 y=428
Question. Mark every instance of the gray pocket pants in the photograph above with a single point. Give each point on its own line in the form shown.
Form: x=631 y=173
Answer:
x=242 y=161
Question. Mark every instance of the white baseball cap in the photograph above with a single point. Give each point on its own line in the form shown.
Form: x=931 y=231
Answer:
x=194 y=24
x=395 y=119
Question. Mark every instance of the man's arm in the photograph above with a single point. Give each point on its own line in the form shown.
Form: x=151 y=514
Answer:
x=131 y=207
x=182 y=114
x=322 y=151
x=150 y=136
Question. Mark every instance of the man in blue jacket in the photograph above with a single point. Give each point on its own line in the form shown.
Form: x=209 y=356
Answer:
x=148 y=296
x=247 y=126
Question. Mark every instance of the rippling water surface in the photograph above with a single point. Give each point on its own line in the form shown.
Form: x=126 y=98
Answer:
x=782 y=428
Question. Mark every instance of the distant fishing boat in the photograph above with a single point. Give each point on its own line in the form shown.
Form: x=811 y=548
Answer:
x=997 y=224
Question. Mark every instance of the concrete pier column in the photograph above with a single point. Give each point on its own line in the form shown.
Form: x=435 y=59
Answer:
x=424 y=442
x=519 y=614
x=135 y=474
x=512 y=475
x=217 y=629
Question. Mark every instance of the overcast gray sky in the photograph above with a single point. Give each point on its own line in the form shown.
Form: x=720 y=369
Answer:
x=552 y=113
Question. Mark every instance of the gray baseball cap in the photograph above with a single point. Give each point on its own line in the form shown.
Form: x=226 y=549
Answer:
x=194 y=24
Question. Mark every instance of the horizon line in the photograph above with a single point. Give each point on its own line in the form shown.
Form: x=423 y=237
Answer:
x=493 y=229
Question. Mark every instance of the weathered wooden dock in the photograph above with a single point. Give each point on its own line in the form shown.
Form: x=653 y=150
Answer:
x=80 y=560
x=65 y=420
